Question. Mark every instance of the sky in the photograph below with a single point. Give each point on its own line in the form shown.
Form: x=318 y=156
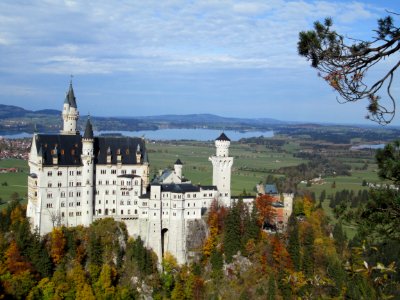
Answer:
x=141 y=58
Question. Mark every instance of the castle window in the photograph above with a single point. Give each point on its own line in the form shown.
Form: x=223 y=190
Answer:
x=78 y=194
x=71 y=214
x=135 y=211
x=106 y=201
x=113 y=201
x=59 y=184
x=78 y=213
x=114 y=182
x=188 y=195
x=106 y=192
x=113 y=211
x=62 y=204
x=99 y=211
x=79 y=183
x=62 y=151
x=210 y=194
x=78 y=173
x=155 y=214
x=71 y=173
x=99 y=201
x=71 y=183
x=59 y=173
x=71 y=204
x=107 y=182
x=174 y=214
x=113 y=192
x=123 y=172
x=71 y=194
x=129 y=211
x=62 y=194
x=62 y=214
x=49 y=173
x=188 y=204
x=100 y=182
x=103 y=171
x=155 y=205
x=129 y=182
x=204 y=195
x=121 y=202
x=194 y=195
x=128 y=202
x=49 y=205
x=78 y=204
x=122 y=211
x=49 y=195
x=144 y=203
x=113 y=171
x=188 y=213
x=49 y=184
x=136 y=182
x=174 y=206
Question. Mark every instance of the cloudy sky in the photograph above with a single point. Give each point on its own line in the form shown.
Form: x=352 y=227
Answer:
x=137 y=58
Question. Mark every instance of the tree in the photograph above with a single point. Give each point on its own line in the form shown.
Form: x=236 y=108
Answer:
x=382 y=213
x=345 y=62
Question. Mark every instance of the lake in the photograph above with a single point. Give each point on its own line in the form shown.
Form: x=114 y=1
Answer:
x=171 y=134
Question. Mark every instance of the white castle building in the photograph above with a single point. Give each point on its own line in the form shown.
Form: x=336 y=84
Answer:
x=75 y=179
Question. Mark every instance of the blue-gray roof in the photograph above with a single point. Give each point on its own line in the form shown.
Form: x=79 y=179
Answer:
x=271 y=189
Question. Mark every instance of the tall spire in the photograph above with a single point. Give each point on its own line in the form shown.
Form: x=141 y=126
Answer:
x=88 y=130
x=71 y=96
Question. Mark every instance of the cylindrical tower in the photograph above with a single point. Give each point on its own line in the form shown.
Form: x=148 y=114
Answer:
x=87 y=174
x=222 y=168
x=70 y=113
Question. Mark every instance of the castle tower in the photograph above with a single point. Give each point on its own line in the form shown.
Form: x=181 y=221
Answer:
x=222 y=165
x=87 y=158
x=70 y=113
x=178 y=168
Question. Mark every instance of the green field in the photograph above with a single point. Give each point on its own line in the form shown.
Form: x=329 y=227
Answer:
x=16 y=182
x=251 y=165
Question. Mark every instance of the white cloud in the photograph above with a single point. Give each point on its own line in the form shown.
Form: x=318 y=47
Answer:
x=105 y=37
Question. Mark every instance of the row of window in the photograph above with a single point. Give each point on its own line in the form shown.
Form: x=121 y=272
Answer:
x=113 y=172
x=59 y=173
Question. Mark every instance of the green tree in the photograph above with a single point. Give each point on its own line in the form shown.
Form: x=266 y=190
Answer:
x=294 y=242
x=344 y=63
x=308 y=252
x=232 y=233
x=381 y=215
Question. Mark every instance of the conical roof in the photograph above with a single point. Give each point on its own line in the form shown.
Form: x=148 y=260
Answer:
x=71 y=96
x=88 y=130
x=178 y=162
x=223 y=137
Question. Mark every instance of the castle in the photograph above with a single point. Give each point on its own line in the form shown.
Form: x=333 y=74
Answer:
x=76 y=179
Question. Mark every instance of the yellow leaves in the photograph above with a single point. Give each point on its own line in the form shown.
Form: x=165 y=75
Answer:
x=16 y=215
x=57 y=245
x=169 y=262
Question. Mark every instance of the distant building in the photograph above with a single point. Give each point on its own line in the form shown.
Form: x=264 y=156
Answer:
x=282 y=205
x=75 y=179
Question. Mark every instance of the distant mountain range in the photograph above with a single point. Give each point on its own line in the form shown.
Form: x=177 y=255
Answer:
x=17 y=119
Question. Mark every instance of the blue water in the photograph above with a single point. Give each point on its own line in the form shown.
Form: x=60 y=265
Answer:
x=172 y=134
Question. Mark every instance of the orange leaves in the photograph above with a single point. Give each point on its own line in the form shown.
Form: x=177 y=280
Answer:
x=279 y=253
x=57 y=245
x=265 y=209
x=14 y=262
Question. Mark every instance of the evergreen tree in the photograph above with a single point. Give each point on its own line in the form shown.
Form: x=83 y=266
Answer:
x=294 y=242
x=232 y=232
x=340 y=237
x=308 y=250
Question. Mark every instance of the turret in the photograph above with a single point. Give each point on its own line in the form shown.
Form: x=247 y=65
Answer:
x=70 y=113
x=178 y=168
x=87 y=158
x=222 y=165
